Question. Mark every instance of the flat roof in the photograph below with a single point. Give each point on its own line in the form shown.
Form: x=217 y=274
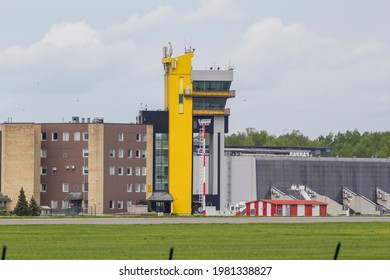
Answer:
x=290 y=202
x=212 y=75
x=320 y=159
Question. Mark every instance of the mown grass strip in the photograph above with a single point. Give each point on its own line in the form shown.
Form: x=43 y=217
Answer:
x=300 y=241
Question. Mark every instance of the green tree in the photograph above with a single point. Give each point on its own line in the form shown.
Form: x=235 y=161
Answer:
x=21 y=208
x=351 y=143
x=33 y=208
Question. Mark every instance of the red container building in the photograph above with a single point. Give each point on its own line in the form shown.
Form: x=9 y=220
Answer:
x=286 y=208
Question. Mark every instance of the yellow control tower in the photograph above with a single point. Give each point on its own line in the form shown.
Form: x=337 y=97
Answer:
x=189 y=96
x=177 y=80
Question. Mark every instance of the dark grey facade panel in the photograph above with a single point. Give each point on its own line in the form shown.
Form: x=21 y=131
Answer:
x=159 y=120
x=325 y=176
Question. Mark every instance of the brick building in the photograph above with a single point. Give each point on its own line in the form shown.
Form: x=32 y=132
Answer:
x=77 y=167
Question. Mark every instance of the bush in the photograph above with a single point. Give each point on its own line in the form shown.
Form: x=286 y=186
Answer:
x=4 y=212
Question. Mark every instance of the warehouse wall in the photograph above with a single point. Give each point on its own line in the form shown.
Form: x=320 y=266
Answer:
x=326 y=176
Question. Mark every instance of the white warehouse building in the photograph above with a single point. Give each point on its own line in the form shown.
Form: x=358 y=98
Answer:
x=347 y=185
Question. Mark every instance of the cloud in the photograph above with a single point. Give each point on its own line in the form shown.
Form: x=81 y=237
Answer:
x=214 y=10
x=71 y=34
x=276 y=53
x=136 y=24
x=303 y=80
x=288 y=76
x=108 y=72
x=70 y=56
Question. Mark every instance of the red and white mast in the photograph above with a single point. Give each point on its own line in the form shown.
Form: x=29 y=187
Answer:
x=202 y=133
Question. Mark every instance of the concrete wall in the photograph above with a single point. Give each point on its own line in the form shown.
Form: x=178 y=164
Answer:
x=238 y=183
x=96 y=168
x=149 y=160
x=243 y=179
x=217 y=159
x=21 y=153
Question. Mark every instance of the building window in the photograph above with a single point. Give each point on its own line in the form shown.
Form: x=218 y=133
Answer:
x=143 y=187
x=137 y=187
x=85 y=170
x=143 y=171
x=85 y=204
x=200 y=103
x=181 y=98
x=54 y=136
x=75 y=188
x=120 y=204
x=120 y=153
x=129 y=171
x=121 y=136
x=144 y=137
x=65 y=187
x=161 y=162
x=120 y=170
x=43 y=187
x=111 y=204
x=129 y=153
x=160 y=206
x=43 y=153
x=85 y=187
x=65 y=136
x=137 y=171
x=76 y=136
x=54 y=170
x=129 y=203
x=143 y=154
x=43 y=136
x=112 y=170
x=85 y=153
x=129 y=187
x=54 y=204
x=85 y=136
x=138 y=137
x=211 y=85
x=65 y=204
x=137 y=153
x=43 y=170
x=112 y=153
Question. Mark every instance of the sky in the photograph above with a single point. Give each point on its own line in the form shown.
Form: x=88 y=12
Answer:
x=319 y=67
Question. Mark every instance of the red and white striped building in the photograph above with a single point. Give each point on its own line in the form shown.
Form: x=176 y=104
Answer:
x=266 y=207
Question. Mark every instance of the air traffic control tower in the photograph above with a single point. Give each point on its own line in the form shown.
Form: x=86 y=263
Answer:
x=189 y=96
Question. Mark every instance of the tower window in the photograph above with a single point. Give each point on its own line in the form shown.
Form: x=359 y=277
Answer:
x=211 y=85
x=208 y=103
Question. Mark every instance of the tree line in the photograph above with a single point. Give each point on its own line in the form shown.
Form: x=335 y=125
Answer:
x=343 y=144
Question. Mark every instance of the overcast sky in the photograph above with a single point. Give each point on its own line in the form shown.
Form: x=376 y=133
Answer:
x=314 y=66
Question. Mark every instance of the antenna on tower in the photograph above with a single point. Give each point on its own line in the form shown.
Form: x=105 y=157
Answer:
x=170 y=50
x=189 y=48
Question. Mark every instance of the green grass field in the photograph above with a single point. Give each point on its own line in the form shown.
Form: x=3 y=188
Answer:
x=299 y=241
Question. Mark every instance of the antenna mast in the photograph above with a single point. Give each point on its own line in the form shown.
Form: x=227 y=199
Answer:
x=202 y=171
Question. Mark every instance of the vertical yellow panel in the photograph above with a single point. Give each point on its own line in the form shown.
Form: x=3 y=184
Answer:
x=181 y=85
x=180 y=131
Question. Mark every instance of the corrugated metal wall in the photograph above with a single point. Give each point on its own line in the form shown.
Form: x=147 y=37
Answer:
x=326 y=176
